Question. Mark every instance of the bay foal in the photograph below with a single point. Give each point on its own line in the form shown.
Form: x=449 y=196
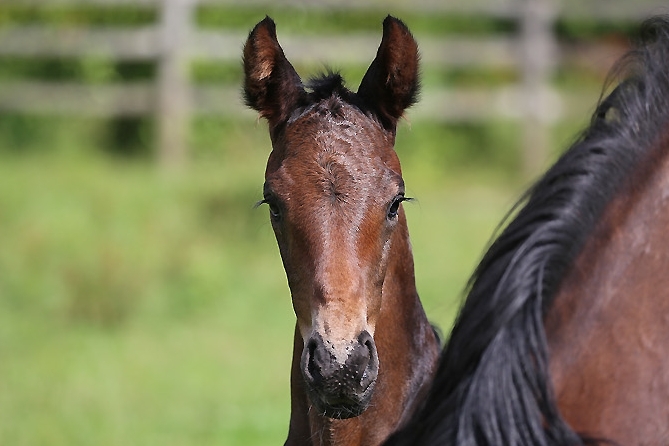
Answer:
x=364 y=351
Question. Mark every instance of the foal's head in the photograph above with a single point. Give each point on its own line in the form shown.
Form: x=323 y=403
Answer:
x=334 y=187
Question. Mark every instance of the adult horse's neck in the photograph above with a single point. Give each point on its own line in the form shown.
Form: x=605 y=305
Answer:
x=610 y=321
x=407 y=349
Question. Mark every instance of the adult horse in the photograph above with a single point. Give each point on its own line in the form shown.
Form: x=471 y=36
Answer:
x=564 y=336
x=363 y=348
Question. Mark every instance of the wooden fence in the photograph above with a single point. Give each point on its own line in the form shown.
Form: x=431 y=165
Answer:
x=174 y=41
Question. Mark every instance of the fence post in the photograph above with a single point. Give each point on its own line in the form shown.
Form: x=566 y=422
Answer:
x=538 y=53
x=173 y=95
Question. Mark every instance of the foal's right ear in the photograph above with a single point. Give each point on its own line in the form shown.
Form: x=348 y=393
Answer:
x=271 y=84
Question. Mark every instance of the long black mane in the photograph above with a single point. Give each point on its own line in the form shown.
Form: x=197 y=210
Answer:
x=492 y=386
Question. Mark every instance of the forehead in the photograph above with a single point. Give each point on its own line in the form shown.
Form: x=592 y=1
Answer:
x=335 y=134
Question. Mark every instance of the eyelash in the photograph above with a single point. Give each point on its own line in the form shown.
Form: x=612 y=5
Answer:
x=394 y=208
x=274 y=211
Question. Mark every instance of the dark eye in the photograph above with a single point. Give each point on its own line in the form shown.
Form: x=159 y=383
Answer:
x=274 y=211
x=274 y=208
x=395 y=206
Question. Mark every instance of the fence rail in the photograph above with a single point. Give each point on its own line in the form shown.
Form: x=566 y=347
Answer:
x=144 y=44
x=139 y=98
x=174 y=41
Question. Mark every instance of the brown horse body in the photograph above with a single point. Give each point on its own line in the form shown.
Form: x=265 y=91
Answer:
x=363 y=350
x=610 y=355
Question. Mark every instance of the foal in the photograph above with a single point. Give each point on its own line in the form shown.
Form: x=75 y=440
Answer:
x=363 y=350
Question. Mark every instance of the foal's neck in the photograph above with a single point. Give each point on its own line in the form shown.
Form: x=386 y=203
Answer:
x=405 y=338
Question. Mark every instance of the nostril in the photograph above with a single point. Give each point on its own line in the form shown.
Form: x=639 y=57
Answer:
x=314 y=371
x=370 y=369
x=309 y=368
x=317 y=362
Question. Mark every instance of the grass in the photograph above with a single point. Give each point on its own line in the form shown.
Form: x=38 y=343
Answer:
x=123 y=307
x=141 y=308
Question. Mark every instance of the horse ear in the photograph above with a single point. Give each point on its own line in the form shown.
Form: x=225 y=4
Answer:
x=391 y=83
x=271 y=84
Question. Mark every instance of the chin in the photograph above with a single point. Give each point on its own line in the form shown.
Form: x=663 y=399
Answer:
x=342 y=407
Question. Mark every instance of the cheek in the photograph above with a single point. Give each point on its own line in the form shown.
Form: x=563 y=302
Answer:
x=376 y=280
x=302 y=308
x=377 y=265
x=380 y=256
x=300 y=282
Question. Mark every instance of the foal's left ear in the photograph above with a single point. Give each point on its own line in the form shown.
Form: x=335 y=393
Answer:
x=271 y=84
x=391 y=83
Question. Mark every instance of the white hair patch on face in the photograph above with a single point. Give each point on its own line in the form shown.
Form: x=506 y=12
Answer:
x=339 y=330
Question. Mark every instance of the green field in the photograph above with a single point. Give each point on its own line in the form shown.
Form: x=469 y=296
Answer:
x=139 y=307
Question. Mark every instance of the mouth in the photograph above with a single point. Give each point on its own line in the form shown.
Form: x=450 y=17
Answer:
x=341 y=407
x=343 y=412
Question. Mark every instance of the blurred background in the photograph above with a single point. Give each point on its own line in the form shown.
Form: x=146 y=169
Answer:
x=142 y=297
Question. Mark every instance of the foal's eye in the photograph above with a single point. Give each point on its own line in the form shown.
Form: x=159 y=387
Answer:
x=274 y=211
x=395 y=206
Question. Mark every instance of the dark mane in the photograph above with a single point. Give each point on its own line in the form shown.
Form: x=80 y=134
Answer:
x=492 y=386
x=327 y=84
x=328 y=90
